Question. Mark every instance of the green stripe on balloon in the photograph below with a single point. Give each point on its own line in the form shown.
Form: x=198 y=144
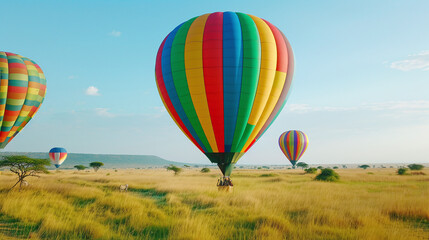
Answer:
x=181 y=82
x=250 y=76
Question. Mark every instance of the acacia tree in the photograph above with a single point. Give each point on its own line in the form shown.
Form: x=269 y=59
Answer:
x=365 y=166
x=96 y=165
x=302 y=165
x=24 y=166
x=175 y=169
x=80 y=167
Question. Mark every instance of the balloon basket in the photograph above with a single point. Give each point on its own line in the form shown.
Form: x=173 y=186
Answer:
x=225 y=188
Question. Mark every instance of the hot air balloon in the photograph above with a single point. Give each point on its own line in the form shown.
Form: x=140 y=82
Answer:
x=58 y=155
x=293 y=144
x=23 y=88
x=224 y=77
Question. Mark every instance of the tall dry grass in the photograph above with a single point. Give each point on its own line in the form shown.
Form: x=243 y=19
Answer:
x=265 y=204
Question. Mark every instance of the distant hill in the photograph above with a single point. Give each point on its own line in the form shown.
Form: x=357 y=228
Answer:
x=109 y=160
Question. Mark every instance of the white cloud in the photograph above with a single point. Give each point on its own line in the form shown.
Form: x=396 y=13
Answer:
x=413 y=62
x=92 y=91
x=115 y=33
x=104 y=112
x=72 y=77
x=159 y=109
x=420 y=106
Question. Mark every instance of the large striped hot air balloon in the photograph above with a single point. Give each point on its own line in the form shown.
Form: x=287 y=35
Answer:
x=23 y=88
x=224 y=77
x=293 y=144
x=58 y=155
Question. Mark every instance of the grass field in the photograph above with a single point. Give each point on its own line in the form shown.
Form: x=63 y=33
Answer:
x=265 y=204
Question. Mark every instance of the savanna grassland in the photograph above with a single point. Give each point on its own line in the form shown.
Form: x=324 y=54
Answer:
x=265 y=204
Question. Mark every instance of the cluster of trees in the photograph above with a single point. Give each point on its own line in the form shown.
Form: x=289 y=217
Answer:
x=413 y=167
x=94 y=165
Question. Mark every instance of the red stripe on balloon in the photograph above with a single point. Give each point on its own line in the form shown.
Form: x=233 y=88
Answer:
x=213 y=74
x=250 y=145
x=282 y=53
x=163 y=91
x=63 y=155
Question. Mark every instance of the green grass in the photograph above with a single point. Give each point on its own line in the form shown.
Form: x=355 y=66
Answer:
x=265 y=204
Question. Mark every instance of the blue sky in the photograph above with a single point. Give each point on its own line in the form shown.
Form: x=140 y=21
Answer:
x=360 y=91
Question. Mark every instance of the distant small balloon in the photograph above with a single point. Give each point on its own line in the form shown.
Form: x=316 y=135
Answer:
x=293 y=144
x=58 y=155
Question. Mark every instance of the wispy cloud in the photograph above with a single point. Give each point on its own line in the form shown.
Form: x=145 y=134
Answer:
x=115 y=33
x=419 y=61
x=159 y=109
x=71 y=77
x=92 y=91
x=420 y=106
x=104 y=112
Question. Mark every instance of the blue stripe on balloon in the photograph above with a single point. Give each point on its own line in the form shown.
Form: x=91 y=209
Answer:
x=58 y=149
x=171 y=89
x=232 y=71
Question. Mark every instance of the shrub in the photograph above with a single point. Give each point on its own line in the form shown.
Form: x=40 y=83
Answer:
x=415 y=166
x=268 y=175
x=319 y=167
x=402 y=171
x=364 y=166
x=205 y=170
x=328 y=175
x=335 y=167
x=311 y=170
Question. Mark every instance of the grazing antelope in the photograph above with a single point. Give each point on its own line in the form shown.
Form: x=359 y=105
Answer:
x=123 y=188
x=24 y=183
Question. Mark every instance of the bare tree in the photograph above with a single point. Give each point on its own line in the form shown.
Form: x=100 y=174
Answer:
x=24 y=166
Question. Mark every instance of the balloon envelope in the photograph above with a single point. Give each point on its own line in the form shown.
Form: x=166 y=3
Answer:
x=58 y=155
x=23 y=88
x=224 y=77
x=293 y=144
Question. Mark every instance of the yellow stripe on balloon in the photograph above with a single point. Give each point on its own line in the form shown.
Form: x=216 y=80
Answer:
x=195 y=77
x=276 y=91
x=268 y=69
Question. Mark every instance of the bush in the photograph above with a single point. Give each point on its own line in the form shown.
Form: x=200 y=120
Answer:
x=335 y=167
x=328 y=175
x=319 y=167
x=268 y=175
x=365 y=166
x=311 y=170
x=205 y=170
x=415 y=166
x=402 y=171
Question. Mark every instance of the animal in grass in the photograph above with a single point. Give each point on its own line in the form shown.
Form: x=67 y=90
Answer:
x=224 y=77
x=123 y=188
x=24 y=183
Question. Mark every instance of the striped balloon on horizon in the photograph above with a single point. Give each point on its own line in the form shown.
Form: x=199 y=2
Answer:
x=224 y=77
x=22 y=90
x=58 y=155
x=293 y=144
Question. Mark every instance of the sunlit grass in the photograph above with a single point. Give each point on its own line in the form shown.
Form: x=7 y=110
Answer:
x=265 y=204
